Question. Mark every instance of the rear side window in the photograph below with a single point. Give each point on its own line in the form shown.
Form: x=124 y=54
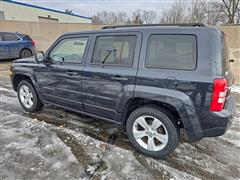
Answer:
x=171 y=52
x=118 y=50
x=9 y=37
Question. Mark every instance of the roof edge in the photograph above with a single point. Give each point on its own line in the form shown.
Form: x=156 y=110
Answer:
x=47 y=9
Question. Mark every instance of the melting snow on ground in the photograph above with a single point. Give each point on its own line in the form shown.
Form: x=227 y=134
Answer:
x=34 y=149
x=235 y=89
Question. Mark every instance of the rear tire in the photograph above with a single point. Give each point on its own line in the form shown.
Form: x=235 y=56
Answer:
x=152 y=131
x=25 y=53
x=28 y=97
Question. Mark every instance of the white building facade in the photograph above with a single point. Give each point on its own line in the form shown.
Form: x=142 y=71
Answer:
x=17 y=11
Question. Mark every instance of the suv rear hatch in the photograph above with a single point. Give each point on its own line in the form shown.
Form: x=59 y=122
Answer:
x=222 y=85
x=27 y=38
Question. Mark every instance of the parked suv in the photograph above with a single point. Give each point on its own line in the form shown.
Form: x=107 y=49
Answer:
x=152 y=80
x=16 y=45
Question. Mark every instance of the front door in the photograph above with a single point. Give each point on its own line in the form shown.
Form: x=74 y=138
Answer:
x=60 y=76
x=109 y=74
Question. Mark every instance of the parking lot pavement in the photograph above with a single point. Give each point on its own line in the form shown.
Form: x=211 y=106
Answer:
x=57 y=144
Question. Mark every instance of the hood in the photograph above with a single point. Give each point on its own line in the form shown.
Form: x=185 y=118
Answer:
x=26 y=60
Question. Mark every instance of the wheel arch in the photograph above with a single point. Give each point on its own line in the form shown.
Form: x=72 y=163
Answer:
x=177 y=103
x=17 y=78
x=134 y=103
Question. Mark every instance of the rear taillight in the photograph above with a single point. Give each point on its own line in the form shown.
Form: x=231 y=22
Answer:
x=33 y=43
x=220 y=87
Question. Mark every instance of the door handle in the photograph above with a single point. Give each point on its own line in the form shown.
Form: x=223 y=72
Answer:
x=71 y=73
x=119 y=78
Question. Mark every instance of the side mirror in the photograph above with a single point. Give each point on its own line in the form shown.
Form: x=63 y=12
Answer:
x=39 y=56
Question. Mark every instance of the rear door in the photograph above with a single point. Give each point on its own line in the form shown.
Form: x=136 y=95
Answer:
x=60 y=78
x=109 y=74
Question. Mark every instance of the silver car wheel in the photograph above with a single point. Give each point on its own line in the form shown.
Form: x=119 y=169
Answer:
x=26 y=96
x=150 y=133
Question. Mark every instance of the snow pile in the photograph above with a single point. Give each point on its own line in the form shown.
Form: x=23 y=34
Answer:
x=235 y=89
x=28 y=150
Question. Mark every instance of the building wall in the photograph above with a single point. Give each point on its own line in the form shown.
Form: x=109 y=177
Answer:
x=233 y=41
x=44 y=34
x=16 y=12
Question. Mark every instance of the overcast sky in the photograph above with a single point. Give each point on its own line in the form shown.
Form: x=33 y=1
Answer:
x=90 y=7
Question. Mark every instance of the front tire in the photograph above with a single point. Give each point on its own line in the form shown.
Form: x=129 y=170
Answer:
x=152 y=131
x=28 y=97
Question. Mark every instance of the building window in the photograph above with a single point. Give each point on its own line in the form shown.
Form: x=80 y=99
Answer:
x=47 y=19
x=2 y=17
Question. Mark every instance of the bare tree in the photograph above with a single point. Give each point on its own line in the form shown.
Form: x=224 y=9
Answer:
x=198 y=11
x=110 y=17
x=204 y=11
x=137 y=20
x=176 y=14
x=214 y=14
x=147 y=17
x=231 y=8
x=121 y=18
x=136 y=17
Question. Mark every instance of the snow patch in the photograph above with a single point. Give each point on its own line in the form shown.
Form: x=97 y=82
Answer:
x=235 y=89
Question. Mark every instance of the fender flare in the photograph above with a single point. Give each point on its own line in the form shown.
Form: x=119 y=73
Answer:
x=32 y=77
x=180 y=101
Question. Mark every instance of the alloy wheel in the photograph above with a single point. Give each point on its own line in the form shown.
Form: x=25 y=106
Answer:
x=26 y=96
x=150 y=133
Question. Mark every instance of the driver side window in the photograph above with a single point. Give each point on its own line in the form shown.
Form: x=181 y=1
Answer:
x=69 y=50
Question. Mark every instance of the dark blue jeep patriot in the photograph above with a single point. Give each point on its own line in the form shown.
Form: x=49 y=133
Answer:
x=151 y=79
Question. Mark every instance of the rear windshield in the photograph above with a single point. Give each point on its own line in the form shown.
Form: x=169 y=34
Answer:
x=25 y=37
x=225 y=53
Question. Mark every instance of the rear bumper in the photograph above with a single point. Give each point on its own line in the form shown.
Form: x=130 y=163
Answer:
x=219 y=122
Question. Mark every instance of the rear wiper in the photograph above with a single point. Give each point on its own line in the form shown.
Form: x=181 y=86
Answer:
x=108 y=54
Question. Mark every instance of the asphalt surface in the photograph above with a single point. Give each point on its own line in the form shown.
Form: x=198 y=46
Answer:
x=58 y=144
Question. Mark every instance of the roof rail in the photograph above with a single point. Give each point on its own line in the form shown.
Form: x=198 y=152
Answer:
x=147 y=25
